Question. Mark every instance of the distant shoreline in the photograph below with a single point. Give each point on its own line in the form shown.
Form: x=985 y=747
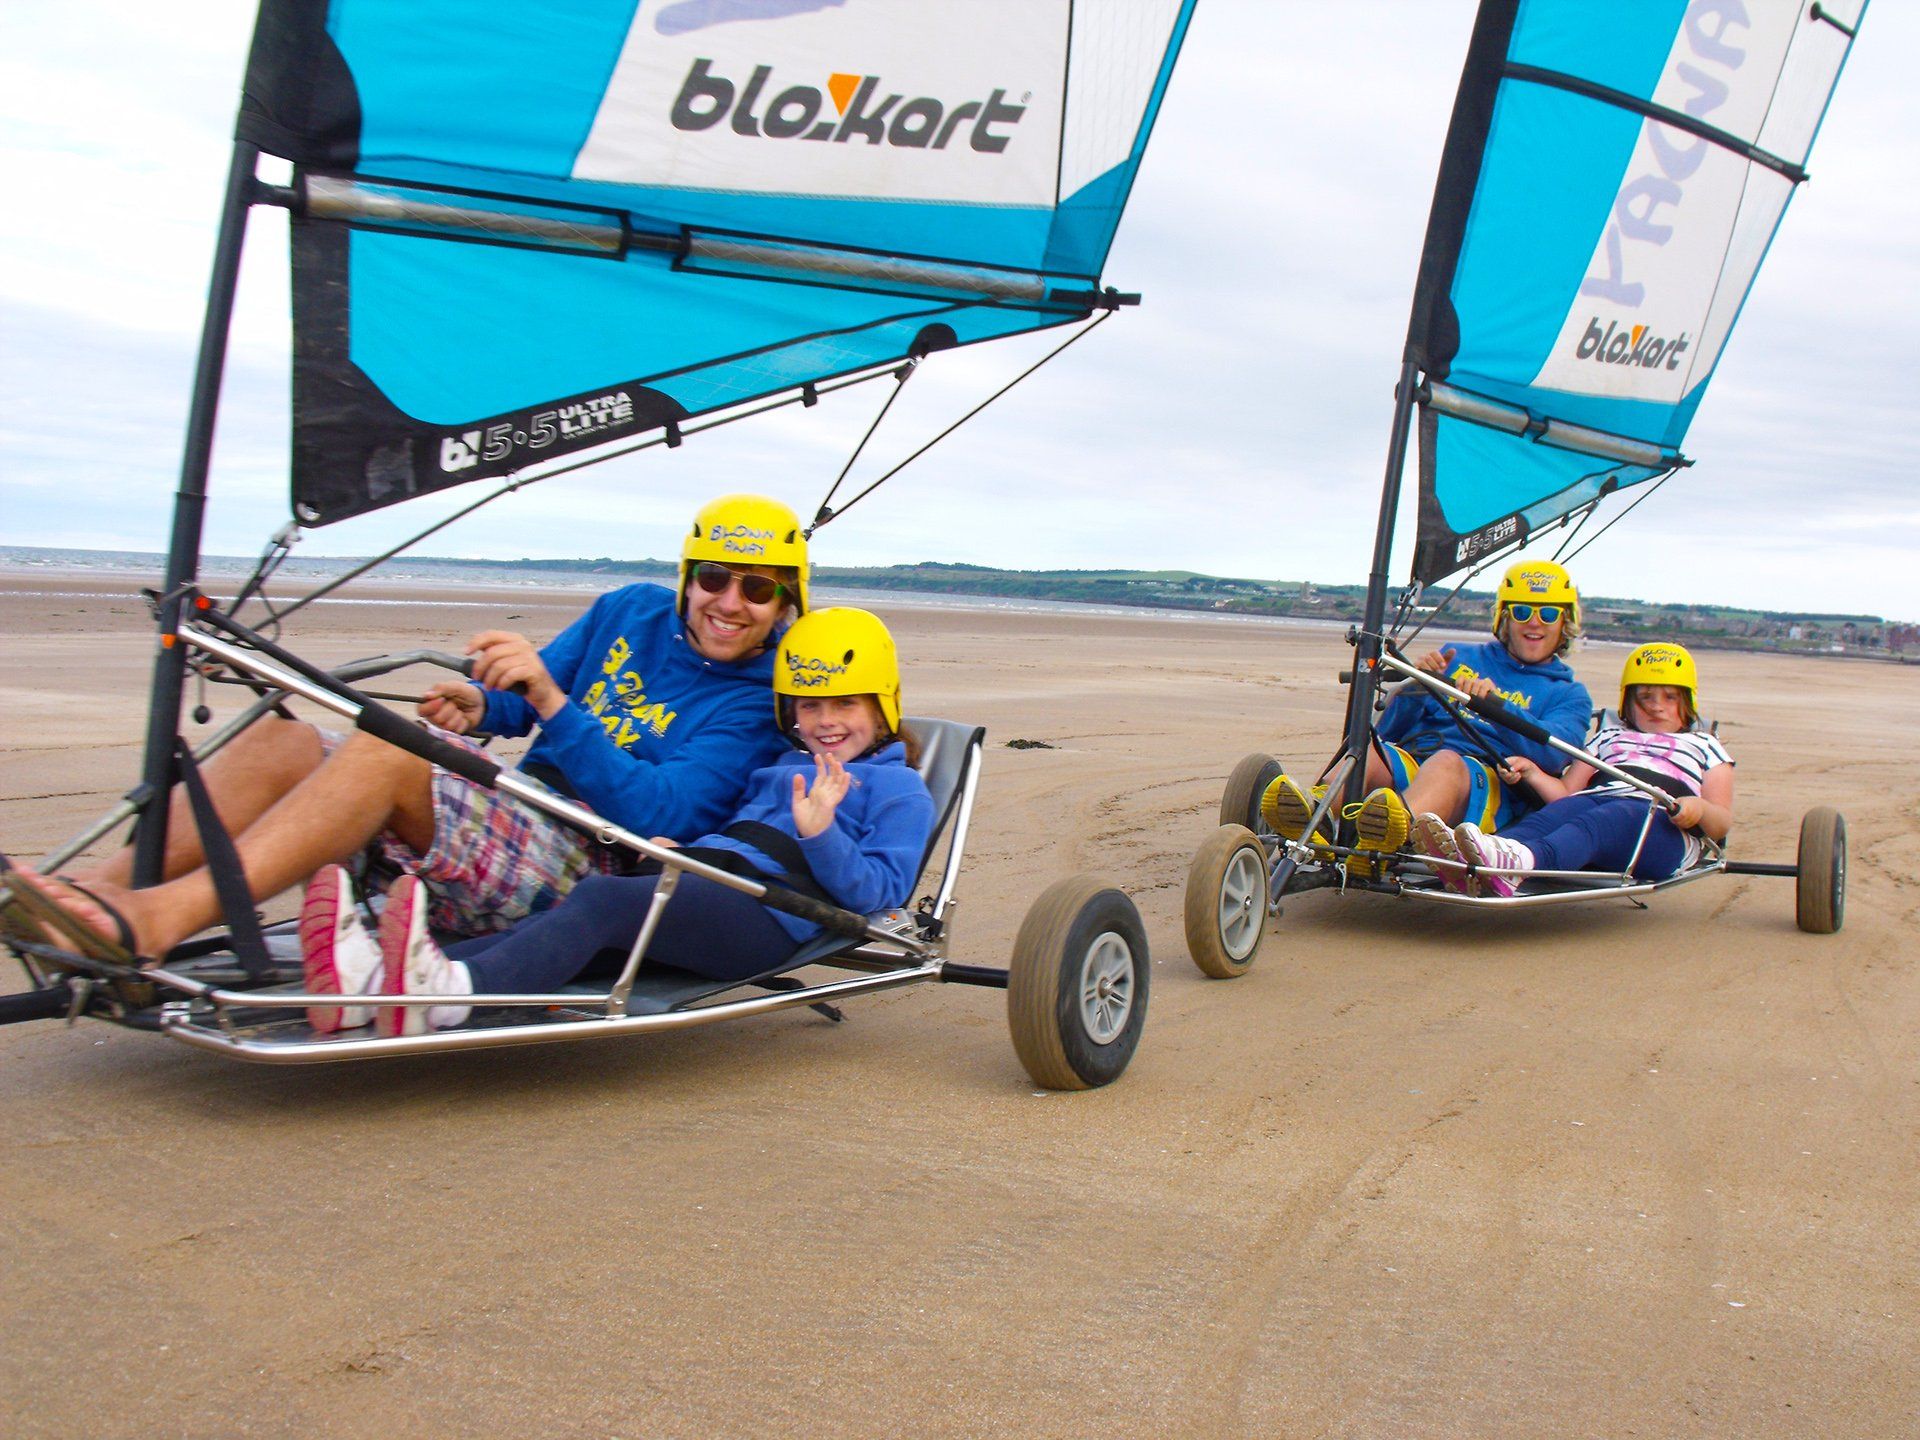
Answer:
x=1173 y=595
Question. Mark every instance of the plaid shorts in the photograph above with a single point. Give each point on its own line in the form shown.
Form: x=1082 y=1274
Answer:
x=493 y=862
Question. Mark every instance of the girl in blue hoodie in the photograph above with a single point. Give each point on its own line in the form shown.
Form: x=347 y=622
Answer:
x=844 y=818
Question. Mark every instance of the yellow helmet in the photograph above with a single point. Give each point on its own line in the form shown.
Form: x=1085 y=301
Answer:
x=1662 y=663
x=1538 y=582
x=838 y=651
x=746 y=530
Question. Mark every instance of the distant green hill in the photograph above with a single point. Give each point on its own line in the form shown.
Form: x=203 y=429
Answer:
x=1607 y=617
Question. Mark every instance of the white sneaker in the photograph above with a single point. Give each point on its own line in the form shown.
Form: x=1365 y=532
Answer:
x=415 y=965
x=340 y=957
x=1435 y=839
x=1495 y=853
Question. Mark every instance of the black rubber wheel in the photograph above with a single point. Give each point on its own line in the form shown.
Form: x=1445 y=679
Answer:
x=1240 y=801
x=1820 y=892
x=1226 y=911
x=1077 y=987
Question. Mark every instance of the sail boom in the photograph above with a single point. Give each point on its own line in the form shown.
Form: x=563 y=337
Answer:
x=414 y=210
x=1581 y=439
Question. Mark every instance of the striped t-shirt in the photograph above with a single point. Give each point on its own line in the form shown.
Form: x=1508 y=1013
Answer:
x=1676 y=763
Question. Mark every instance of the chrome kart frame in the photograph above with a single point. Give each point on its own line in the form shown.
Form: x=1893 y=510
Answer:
x=200 y=1004
x=1297 y=865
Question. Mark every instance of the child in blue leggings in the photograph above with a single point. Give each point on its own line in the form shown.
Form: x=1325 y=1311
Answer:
x=854 y=836
x=1588 y=826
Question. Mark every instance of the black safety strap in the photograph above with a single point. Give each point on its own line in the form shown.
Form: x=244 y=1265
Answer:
x=223 y=863
x=784 y=851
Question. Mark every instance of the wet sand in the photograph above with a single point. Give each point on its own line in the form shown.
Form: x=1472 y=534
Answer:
x=1594 y=1171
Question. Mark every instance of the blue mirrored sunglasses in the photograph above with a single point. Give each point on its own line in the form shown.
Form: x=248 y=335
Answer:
x=1523 y=613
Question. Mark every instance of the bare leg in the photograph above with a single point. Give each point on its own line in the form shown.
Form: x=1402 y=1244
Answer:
x=1441 y=787
x=246 y=779
x=365 y=787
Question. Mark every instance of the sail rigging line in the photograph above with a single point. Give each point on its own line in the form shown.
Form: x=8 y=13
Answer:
x=824 y=511
x=1086 y=329
x=1661 y=114
x=808 y=395
x=1645 y=493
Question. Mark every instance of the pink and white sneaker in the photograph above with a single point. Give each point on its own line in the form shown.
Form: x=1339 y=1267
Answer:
x=1435 y=839
x=340 y=957
x=415 y=965
x=1495 y=852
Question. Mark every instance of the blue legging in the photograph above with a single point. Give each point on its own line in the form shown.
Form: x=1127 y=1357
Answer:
x=1598 y=832
x=706 y=928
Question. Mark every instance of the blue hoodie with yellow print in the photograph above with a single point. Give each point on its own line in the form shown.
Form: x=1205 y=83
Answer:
x=656 y=737
x=1545 y=693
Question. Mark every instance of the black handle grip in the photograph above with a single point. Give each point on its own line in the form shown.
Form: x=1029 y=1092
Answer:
x=1493 y=708
x=384 y=724
x=827 y=917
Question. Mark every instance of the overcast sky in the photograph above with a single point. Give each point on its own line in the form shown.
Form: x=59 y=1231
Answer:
x=1235 y=423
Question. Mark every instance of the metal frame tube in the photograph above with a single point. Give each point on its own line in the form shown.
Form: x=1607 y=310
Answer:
x=178 y=1021
x=1367 y=649
x=189 y=511
x=623 y=986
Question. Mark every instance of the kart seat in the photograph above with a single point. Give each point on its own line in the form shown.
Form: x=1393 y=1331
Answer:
x=949 y=756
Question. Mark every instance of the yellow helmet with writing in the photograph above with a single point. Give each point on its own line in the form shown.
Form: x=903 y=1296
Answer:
x=1539 y=583
x=1662 y=663
x=837 y=651
x=746 y=530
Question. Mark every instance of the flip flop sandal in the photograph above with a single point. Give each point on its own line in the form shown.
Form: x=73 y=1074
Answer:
x=57 y=922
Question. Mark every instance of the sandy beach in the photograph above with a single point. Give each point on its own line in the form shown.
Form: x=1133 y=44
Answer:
x=1596 y=1171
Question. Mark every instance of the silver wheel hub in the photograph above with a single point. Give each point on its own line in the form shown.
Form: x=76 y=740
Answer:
x=1106 y=987
x=1243 y=903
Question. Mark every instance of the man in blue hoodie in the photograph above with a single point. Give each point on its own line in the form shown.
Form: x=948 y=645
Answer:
x=652 y=709
x=1421 y=761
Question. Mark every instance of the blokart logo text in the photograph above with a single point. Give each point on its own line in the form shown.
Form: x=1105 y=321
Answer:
x=859 y=111
x=1629 y=345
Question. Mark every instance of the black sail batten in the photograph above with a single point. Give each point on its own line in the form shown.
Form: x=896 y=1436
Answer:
x=1665 y=114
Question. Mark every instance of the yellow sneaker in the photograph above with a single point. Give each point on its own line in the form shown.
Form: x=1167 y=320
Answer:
x=1287 y=808
x=1381 y=821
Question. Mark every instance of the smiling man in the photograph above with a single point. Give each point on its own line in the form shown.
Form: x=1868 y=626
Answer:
x=652 y=710
x=1422 y=761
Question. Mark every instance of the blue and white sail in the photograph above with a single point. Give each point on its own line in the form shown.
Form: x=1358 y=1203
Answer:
x=526 y=230
x=1612 y=179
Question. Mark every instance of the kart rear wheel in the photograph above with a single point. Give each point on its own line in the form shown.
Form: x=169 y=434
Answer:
x=1077 y=986
x=1820 y=892
x=1226 y=910
x=1240 y=801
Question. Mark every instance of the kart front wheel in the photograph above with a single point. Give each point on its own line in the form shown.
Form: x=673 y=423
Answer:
x=1077 y=986
x=1226 y=909
x=1820 y=891
x=1240 y=801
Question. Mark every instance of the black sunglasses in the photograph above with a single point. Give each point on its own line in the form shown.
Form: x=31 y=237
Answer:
x=714 y=578
x=1524 y=613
